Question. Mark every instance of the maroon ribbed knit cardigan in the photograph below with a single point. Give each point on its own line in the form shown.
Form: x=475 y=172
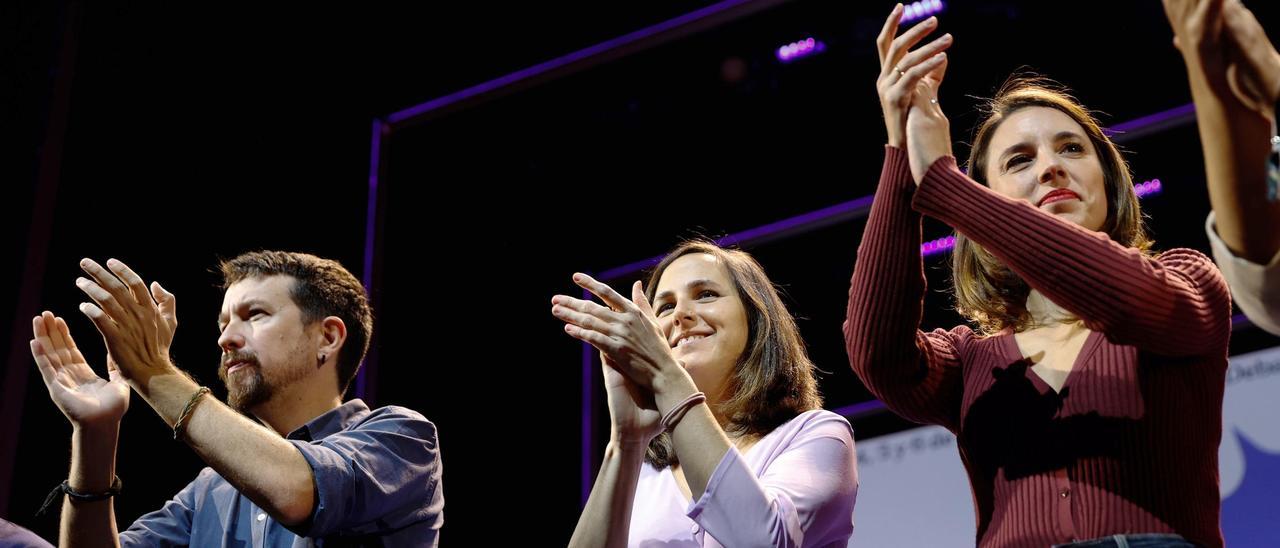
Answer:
x=1130 y=443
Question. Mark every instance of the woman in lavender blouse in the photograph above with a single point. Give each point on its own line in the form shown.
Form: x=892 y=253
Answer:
x=718 y=437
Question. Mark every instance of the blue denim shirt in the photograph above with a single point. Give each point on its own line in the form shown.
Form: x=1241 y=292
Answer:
x=377 y=477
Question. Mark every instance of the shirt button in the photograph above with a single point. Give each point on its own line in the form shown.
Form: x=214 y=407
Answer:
x=1064 y=493
x=262 y=517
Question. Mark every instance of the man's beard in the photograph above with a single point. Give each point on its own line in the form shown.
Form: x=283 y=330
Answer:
x=248 y=388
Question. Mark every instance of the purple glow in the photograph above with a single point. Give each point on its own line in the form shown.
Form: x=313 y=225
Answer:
x=916 y=11
x=938 y=246
x=861 y=409
x=797 y=50
x=379 y=128
x=1152 y=123
x=1148 y=188
x=370 y=230
x=1240 y=321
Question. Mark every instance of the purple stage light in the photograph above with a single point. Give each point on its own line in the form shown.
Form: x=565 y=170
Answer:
x=916 y=11
x=803 y=48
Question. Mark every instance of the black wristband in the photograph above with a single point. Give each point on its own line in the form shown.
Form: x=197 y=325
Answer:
x=65 y=488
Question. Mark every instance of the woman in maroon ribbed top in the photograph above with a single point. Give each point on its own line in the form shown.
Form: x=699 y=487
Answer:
x=1089 y=402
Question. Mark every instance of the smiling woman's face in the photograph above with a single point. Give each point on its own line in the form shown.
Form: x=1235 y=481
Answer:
x=703 y=318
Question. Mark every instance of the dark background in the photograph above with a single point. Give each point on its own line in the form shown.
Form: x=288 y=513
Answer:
x=170 y=136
